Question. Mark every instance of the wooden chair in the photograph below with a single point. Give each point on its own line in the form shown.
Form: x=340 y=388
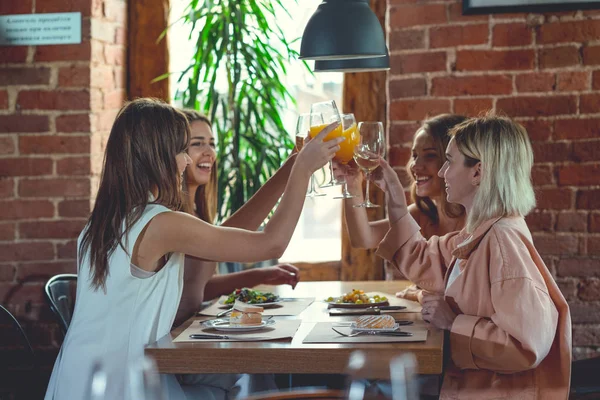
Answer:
x=60 y=294
x=300 y=393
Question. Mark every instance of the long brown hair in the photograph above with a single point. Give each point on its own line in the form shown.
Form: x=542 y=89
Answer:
x=205 y=198
x=438 y=127
x=140 y=156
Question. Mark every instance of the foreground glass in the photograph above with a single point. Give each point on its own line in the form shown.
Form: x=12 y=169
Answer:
x=346 y=151
x=321 y=115
x=302 y=129
x=368 y=153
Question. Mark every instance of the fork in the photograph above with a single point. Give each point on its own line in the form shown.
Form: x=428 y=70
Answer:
x=349 y=335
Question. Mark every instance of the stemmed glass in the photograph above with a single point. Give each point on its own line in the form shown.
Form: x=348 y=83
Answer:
x=346 y=151
x=403 y=377
x=322 y=114
x=368 y=152
x=144 y=380
x=302 y=129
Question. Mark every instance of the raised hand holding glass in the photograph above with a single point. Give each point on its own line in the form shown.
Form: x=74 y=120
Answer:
x=322 y=114
x=302 y=129
x=368 y=152
x=346 y=151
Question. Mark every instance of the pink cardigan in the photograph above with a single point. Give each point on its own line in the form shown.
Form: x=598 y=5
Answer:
x=512 y=336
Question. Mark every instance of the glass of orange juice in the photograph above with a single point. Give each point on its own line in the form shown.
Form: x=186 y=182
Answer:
x=321 y=115
x=302 y=129
x=346 y=151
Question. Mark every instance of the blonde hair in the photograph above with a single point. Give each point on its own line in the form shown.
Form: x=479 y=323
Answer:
x=506 y=156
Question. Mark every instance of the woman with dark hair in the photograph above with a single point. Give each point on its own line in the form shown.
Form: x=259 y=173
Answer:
x=131 y=252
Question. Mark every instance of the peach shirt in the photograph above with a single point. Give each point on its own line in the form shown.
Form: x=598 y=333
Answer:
x=512 y=335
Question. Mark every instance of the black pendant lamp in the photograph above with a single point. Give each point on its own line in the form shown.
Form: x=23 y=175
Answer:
x=342 y=29
x=354 y=65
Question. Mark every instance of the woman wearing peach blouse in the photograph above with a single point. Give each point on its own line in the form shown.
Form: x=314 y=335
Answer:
x=509 y=325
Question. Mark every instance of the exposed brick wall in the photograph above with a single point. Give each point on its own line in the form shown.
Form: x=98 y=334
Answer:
x=57 y=104
x=543 y=70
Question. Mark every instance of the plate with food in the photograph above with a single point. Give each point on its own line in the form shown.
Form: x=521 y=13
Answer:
x=357 y=299
x=244 y=317
x=251 y=296
x=227 y=326
x=375 y=323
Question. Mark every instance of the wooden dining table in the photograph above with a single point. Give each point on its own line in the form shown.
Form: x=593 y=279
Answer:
x=285 y=356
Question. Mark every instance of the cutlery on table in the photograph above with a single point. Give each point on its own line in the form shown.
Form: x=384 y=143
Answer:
x=376 y=333
x=224 y=313
x=227 y=337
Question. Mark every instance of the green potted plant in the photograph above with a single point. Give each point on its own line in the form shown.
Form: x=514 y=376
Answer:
x=235 y=77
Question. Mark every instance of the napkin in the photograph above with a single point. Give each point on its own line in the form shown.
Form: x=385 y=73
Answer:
x=281 y=329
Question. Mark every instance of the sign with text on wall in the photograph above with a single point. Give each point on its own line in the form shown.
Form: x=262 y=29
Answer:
x=40 y=29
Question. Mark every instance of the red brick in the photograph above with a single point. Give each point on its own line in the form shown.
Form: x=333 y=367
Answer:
x=64 y=52
x=102 y=78
x=568 y=288
x=82 y=6
x=511 y=35
x=121 y=36
x=594 y=224
x=572 y=31
x=103 y=120
x=596 y=80
x=589 y=103
x=455 y=14
x=7 y=145
x=25 y=209
x=74 y=76
x=589 y=290
x=535 y=82
x=406 y=39
x=471 y=85
x=45 y=270
x=3 y=99
x=24 y=76
x=7 y=187
x=399 y=156
x=593 y=245
x=511 y=16
x=412 y=87
x=558 y=57
x=554 y=199
x=542 y=175
x=537 y=106
x=576 y=128
x=556 y=244
x=73 y=166
x=120 y=77
x=582 y=313
x=74 y=208
x=9 y=54
x=472 y=107
x=23 y=294
x=486 y=60
x=25 y=166
x=114 y=99
x=98 y=53
x=16 y=7
x=571 y=221
x=24 y=123
x=115 y=55
x=588 y=199
x=591 y=55
x=51 y=144
x=8 y=231
x=417 y=62
x=67 y=250
x=72 y=187
x=551 y=151
x=588 y=150
x=579 y=175
x=579 y=267
x=586 y=335
x=568 y=81
x=538 y=129
x=401 y=134
x=539 y=221
x=51 y=229
x=412 y=15
x=26 y=251
x=462 y=35
x=73 y=123
x=115 y=11
x=7 y=271
x=54 y=100
x=416 y=110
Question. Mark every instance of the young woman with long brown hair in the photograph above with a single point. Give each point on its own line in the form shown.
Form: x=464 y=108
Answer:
x=131 y=252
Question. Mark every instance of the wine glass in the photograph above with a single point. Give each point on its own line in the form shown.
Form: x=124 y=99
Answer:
x=359 y=386
x=368 y=152
x=144 y=380
x=96 y=387
x=302 y=129
x=346 y=151
x=321 y=115
x=403 y=377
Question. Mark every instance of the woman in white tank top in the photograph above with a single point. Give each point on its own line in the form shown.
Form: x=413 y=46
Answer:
x=135 y=227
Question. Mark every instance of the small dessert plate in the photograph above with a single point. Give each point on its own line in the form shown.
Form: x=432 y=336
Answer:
x=225 y=326
x=357 y=329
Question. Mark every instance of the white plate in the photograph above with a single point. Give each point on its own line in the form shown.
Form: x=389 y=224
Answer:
x=222 y=302
x=354 y=305
x=224 y=326
x=392 y=329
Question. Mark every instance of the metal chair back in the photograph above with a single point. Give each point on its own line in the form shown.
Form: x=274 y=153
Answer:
x=60 y=294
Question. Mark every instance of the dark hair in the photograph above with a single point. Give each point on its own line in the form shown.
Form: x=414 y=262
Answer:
x=140 y=155
x=205 y=198
x=438 y=127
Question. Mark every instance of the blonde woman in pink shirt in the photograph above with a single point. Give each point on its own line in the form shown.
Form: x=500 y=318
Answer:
x=509 y=325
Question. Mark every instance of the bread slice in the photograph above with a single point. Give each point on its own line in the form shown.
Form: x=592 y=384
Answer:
x=245 y=307
x=245 y=314
x=375 y=322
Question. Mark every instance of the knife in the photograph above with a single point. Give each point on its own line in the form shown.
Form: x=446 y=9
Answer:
x=402 y=333
x=226 y=337
x=362 y=311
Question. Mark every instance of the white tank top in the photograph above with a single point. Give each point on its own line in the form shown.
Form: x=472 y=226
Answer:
x=115 y=326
